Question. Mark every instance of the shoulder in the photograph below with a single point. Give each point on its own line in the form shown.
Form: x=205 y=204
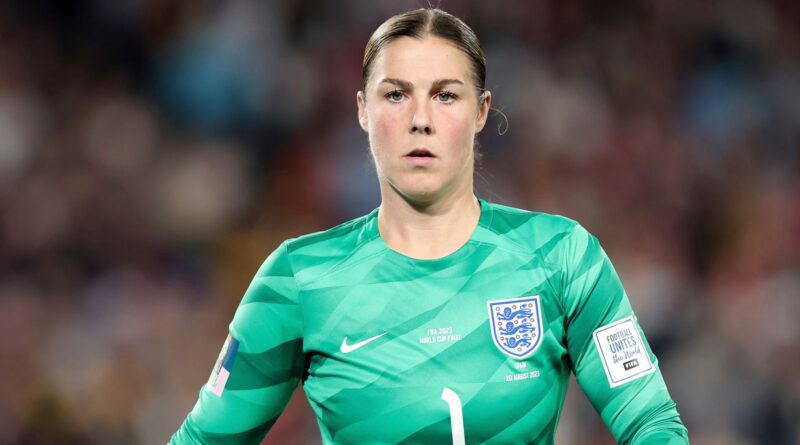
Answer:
x=531 y=230
x=315 y=254
x=345 y=234
x=507 y=216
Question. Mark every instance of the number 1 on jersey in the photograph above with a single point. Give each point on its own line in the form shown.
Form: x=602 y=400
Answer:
x=456 y=416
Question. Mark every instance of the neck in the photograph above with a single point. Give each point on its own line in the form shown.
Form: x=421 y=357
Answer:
x=430 y=230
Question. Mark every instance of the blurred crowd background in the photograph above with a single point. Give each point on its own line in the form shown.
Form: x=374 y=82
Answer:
x=152 y=153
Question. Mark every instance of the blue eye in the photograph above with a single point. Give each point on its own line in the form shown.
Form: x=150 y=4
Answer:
x=394 y=96
x=446 y=96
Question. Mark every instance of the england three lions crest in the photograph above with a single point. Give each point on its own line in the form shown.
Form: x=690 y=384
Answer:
x=516 y=325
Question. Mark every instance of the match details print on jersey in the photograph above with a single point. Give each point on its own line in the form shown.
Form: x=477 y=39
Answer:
x=473 y=348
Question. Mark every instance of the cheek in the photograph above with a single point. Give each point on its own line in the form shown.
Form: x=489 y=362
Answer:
x=388 y=125
x=384 y=131
x=460 y=131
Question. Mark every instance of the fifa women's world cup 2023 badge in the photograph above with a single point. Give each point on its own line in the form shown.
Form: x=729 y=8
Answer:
x=516 y=325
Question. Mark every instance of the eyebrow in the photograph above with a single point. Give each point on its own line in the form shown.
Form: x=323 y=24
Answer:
x=406 y=85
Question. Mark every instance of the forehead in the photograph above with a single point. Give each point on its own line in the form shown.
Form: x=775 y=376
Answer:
x=422 y=60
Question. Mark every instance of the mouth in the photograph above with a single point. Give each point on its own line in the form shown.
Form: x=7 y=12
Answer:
x=420 y=153
x=420 y=158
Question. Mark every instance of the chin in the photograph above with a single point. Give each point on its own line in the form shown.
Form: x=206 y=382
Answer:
x=422 y=196
x=418 y=192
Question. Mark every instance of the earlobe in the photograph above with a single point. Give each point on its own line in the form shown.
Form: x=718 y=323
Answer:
x=362 y=110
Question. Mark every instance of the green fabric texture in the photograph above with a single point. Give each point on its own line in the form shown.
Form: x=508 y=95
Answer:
x=375 y=337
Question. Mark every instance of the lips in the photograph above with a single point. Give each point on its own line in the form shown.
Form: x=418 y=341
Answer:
x=420 y=153
x=420 y=158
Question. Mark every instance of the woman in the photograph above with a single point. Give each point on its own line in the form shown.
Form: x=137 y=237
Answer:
x=439 y=317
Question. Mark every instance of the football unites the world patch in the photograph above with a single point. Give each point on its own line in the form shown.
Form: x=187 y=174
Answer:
x=224 y=365
x=516 y=325
x=622 y=352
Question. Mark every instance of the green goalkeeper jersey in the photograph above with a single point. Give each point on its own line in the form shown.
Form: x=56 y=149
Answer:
x=475 y=347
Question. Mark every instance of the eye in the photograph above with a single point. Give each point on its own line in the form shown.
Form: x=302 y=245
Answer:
x=394 y=95
x=445 y=96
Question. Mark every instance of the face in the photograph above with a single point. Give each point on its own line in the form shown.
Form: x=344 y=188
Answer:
x=421 y=110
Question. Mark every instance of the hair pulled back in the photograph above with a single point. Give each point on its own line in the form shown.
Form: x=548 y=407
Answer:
x=425 y=22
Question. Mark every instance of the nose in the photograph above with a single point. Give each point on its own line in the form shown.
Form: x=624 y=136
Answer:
x=421 y=119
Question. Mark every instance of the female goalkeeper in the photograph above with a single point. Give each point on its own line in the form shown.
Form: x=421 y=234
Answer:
x=438 y=317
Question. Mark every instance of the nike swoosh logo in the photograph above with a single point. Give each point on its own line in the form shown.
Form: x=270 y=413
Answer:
x=345 y=348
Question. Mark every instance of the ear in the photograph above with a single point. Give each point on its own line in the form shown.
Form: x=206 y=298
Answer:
x=361 y=101
x=484 y=105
